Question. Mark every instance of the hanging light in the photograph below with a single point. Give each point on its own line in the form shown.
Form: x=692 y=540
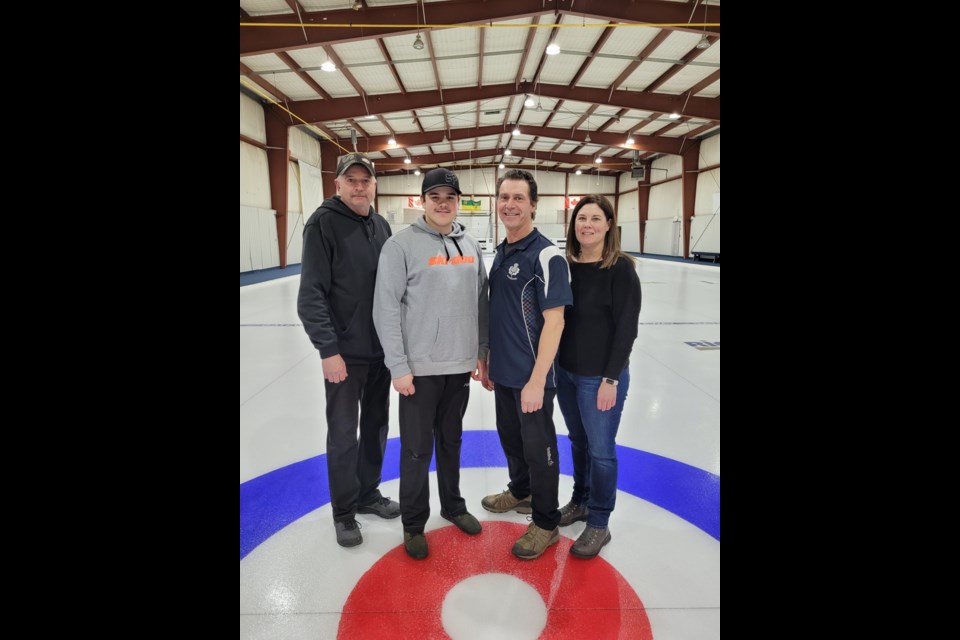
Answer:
x=418 y=43
x=629 y=140
x=507 y=152
x=406 y=161
x=357 y=5
x=553 y=48
x=579 y=173
x=516 y=130
x=529 y=102
x=501 y=166
x=416 y=172
x=328 y=66
x=391 y=141
x=704 y=40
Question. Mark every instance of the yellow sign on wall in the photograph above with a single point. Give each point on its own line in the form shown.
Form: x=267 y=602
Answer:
x=466 y=204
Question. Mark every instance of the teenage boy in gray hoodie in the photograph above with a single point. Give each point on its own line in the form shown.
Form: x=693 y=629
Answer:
x=430 y=308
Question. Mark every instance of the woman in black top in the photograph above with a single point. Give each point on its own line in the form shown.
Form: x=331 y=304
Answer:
x=593 y=377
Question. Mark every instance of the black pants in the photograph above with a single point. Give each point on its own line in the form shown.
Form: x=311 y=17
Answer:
x=353 y=468
x=529 y=441
x=431 y=416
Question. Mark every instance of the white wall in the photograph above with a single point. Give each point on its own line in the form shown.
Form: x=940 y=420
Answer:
x=705 y=234
x=251 y=119
x=304 y=147
x=626 y=182
x=662 y=237
x=628 y=217
x=665 y=200
x=259 y=248
x=709 y=152
x=672 y=164
x=254 y=177
x=708 y=184
x=258 y=239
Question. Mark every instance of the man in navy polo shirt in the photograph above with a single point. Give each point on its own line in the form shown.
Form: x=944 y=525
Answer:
x=529 y=287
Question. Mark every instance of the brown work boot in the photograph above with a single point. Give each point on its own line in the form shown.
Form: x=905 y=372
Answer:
x=590 y=542
x=573 y=512
x=503 y=502
x=535 y=541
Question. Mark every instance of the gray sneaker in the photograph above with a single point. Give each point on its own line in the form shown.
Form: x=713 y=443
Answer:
x=573 y=512
x=465 y=522
x=383 y=507
x=348 y=533
x=503 y=502
x=590 y=542
x=535 y=541
x=416 y=545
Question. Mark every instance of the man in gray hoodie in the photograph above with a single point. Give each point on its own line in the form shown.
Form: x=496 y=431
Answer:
x=430 y=308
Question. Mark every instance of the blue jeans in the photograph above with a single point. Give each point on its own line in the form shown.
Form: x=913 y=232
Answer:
x=592 y=441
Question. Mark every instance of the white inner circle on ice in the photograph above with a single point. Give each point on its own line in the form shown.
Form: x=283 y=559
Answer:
x=493 y=605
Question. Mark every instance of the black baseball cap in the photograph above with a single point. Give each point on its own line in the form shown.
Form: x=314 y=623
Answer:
x=347 y=161
x=440 y=178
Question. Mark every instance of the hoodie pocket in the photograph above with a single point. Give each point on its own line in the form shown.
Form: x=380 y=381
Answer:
x=456 y=339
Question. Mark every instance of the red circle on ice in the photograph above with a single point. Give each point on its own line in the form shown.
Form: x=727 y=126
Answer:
x=403 y=597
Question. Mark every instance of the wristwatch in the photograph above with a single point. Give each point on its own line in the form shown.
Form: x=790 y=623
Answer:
x=611 y=381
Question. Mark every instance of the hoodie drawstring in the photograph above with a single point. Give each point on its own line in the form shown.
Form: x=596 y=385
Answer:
x=447 y=251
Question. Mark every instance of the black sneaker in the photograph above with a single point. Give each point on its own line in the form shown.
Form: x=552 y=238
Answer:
x=383 y=507
x=348 y=533
x=465 y=522
x=416 y=545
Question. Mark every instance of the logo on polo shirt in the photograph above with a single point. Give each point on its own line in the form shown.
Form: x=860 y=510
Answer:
x=513 y=271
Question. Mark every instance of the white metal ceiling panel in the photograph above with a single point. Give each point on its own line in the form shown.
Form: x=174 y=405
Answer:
x=416 y=76
x=265 y=7
x=359 y=52
x=375 y=80
x=458 y=72
x=505 y=38
x=500 y=69
x=334 y=83
x=644 y=75
x=264 y=63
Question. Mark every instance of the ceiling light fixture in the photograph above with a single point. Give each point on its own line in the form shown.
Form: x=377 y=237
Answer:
x=579 y=173
x=416 y=172
x=406 y=161
x=391 y=141
x=501 y=166
x=529 y=102
x=674 y=116
x=629 y=140
x=507 y=152
x=418 y=43
x=598 y=160
x=553 y=48
x=328 y=66
x=516 y=130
